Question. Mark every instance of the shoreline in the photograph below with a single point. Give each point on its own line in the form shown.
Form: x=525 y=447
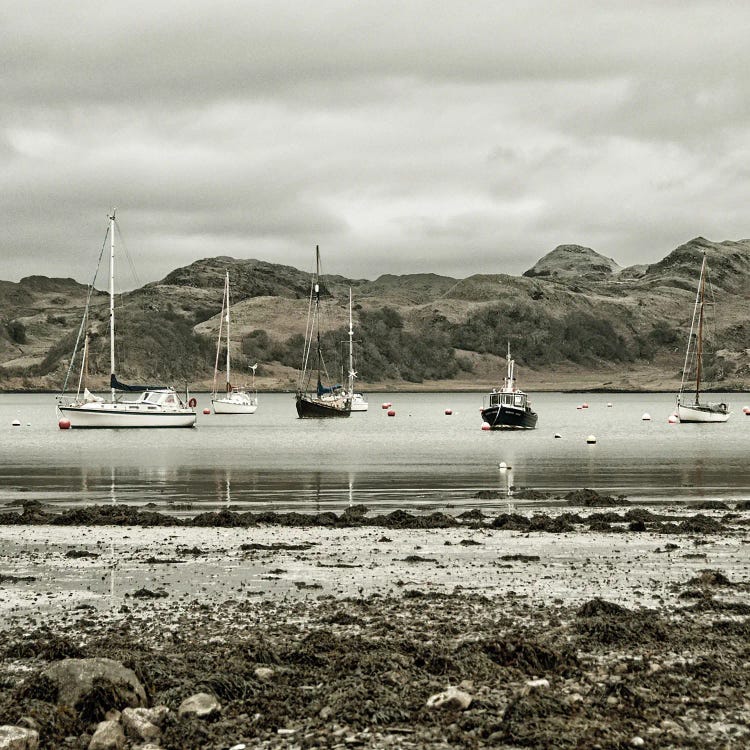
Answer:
x=314 y=636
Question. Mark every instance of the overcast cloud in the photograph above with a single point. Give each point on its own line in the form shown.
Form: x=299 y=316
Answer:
x=401 y=137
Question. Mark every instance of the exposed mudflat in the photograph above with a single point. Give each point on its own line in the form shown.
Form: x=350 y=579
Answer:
x=573 y=628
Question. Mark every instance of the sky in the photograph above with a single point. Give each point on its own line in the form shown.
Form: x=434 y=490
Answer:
x=401 y=137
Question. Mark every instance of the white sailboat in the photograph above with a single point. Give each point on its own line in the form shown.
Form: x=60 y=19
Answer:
x=359 y=402
x=234 y=400
x=690 y=408
x=151 y=406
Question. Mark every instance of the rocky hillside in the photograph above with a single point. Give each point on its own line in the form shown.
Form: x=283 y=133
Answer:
x=576 y=319
x=573 y=261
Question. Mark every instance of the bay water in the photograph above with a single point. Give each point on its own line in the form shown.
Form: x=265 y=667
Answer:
x=419 y=459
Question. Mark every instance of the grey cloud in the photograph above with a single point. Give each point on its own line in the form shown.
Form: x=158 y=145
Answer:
x=402 y=137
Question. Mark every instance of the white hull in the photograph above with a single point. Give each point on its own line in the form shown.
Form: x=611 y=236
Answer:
x=358 y=402
x=234 y=406
x=700 y=414
x=125 y=415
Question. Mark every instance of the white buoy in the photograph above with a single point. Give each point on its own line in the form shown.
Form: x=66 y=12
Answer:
x=557 y=435
x=673 y=419
x=579 y=407
x=746 y=410
x=502 y=466
x=16 y=423
x=646 y=417
x=591 y=439
x=609 y=404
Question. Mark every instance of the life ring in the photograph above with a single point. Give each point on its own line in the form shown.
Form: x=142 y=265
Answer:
x=192 y=403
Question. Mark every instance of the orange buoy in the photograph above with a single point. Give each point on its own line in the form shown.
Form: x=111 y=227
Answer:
x=64 y=424
x=391 y=413
x=206 y=411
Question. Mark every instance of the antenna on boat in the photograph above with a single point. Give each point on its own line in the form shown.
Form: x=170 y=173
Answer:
x=511 y=367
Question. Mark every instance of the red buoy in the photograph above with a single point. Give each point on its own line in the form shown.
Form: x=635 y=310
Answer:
x=448 y=412
x=386 y=405
x=206 y=411
x=64 y=424
x=391 y=413
x=485 y=426
x=584 y=406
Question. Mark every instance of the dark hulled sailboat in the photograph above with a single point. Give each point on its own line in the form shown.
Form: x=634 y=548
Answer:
x=324 y=401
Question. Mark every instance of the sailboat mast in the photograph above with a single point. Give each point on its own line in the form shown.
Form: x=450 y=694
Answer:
x=317 y=304
x=112 y=298
x=351 y=347
x=699 y=350
x=226 y=296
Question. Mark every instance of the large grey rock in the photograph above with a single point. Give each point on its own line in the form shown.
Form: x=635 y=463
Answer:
x=202 y=705
x=74 y=679
x=108 y=736
x=18 y=738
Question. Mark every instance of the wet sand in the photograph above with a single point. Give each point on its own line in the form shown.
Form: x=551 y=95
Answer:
x=361 y=624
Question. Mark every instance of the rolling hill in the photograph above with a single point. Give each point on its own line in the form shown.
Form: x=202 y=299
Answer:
x=575 y=320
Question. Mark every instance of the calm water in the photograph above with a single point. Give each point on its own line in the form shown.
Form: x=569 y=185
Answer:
x=419 y=459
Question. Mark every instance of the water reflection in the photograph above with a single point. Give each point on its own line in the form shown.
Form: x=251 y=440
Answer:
x=277 y=462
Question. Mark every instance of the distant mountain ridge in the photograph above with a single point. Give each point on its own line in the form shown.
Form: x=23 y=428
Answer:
x=574 y=317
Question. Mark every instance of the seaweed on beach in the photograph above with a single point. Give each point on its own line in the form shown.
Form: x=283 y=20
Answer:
x=42 y=644
x=607 y=623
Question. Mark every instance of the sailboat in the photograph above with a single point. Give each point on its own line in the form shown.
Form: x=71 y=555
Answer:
x=690 y=408
x=324 y=401
x=234 y=400
x=509 y=407
x=359 y=402
x=151 y=405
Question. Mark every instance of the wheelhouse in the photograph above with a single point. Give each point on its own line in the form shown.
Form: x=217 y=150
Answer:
x=515 y=399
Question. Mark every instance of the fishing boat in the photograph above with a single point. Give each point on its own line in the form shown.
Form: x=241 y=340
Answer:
x=508 y=407
x=233 y=400
x=359 y=402
x=323 y=401
x=690 y=408
x=126 y=405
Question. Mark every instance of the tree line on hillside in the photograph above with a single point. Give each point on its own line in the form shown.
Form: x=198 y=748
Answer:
x=163 y=345
x=383 y=350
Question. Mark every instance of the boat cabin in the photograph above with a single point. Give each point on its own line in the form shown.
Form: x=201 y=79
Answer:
x=166 y=398
x=515 y=399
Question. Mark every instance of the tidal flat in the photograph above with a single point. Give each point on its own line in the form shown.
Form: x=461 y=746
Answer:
x=571 y=628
